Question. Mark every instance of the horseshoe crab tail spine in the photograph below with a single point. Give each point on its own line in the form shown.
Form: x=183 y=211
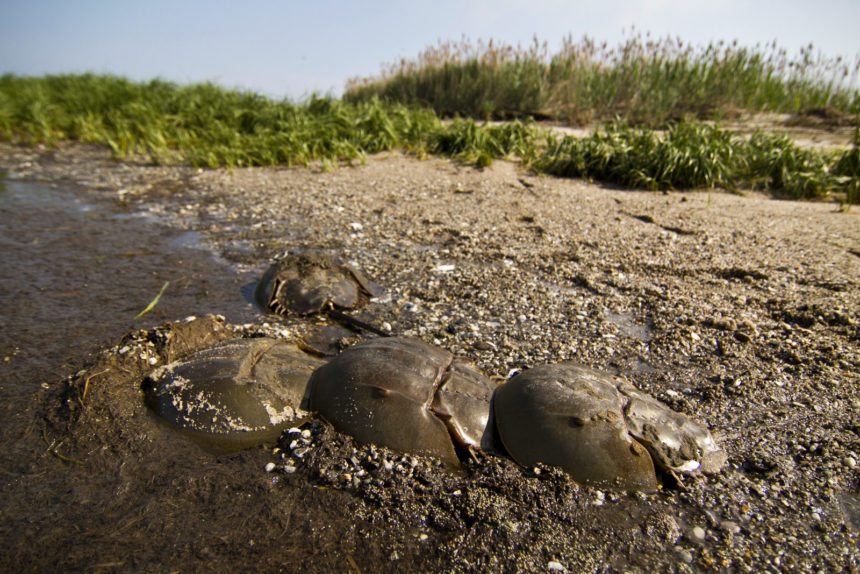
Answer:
x=349 y=319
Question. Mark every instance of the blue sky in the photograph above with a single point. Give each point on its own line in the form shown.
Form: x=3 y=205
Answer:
x=291 y=49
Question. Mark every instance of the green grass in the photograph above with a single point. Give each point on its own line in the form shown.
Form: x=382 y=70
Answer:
x=846 y=171
x=643 y=80
x=688 y=156
x=205 y=125
x=201 y=123
x=696 y=156
x=472 y=142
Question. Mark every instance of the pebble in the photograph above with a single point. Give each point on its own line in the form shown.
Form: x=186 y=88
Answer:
x=730 y=526
x=270 y=467
x=685 y=556
x=554 y=566
x=699 y=533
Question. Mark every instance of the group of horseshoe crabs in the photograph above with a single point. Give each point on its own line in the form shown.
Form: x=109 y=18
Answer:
x=414 y=397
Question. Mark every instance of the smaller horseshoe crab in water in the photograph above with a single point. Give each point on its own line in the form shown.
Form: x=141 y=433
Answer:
x=407 y=395
x=313 y=282
x=307 y=283
x=236 y=394
x=598 y=428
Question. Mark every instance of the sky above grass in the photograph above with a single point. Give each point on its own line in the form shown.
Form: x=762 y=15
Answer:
x=292 y=49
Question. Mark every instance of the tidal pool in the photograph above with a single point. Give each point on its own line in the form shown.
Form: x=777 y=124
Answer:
x=74 y=274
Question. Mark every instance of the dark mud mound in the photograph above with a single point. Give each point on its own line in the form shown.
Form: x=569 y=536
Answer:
x=128 y=493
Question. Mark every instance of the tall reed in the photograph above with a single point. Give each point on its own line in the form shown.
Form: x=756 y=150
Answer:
x=644 y=80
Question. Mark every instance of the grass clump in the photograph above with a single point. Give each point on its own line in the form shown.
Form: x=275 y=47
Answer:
x=688 y=156
x=642 y=80
x=846 y=171
x=472 y=142
x=773 y=163
x=696 y=156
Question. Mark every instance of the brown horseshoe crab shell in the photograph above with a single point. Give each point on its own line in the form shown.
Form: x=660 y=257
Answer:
x=407 y=395
x=235 y=394
x=598 y=428
x=306 y=283
x=567 y=416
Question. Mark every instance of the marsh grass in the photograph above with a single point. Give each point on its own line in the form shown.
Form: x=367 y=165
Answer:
x=698 y=156
x=774 y=163
x=482 y=144
x=643 y=80
x=688 y=156
x=846 y=171
x=202 y=124
x=205 y=125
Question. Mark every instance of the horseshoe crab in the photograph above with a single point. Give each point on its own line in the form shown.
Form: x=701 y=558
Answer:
x=307 y=283
x=675 y=442
x=598 y=428
x=407 y=395
x=235 y=394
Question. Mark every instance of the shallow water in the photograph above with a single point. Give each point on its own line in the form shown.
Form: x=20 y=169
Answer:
x=74 y=273
x=628 y=326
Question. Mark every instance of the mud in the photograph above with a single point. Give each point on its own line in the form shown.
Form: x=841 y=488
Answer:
x=739 y=311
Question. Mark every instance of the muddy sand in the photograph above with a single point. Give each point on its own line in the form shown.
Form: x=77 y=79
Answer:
x=738 y=310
